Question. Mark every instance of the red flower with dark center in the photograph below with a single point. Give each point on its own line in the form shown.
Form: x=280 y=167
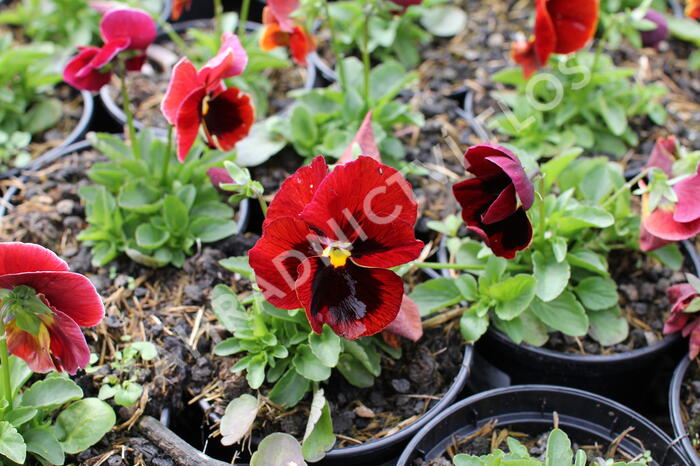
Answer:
x=680 y=319
x=692 y=9
x=281 y=31
x=199 y=98
x=122 y=29
x=561 y=26
x=328 y=241
x=66 y=301
x=669 y=222
x=495 y=200
x=178 y=7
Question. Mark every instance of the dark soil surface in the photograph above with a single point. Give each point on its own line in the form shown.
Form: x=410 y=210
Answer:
x=489 y=438
x=690 y=398
x=642 y=284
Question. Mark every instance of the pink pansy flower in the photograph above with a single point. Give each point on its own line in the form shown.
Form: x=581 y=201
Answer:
x=683 y=296
x=200 y=98
x=40 y=289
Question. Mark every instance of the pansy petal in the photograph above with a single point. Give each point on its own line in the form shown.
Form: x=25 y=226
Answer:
x=364 y=138
x=675 y=322
x=476 y=163
x=33 y=349
x=692 y=10
x=661 y=224
x=80 y=75
x=662 y=155
x=301 y=44
x=280 y=10
x=218 y=176
x=545 y=41
x=511 y=166
x=285 y=243
x=228 y=119
x=507 y=237
x=695 y=342
x=504 y=206
x=474 y=197
x=386 y=247
x=523 y=53
x=189 y=117
x=681 y=295
x=211 y=74
x=28 y=257
x=132 y=23
x=135 y=63
x=649 y=242
x=574 y=22
x=70 y=293
x=68 y=346
x=297 y=190
x=230 y=41
x=272 y=37
x=358 y=193
x=354 y=301
x=182 y=82
x=688 y=193
x=106 y=54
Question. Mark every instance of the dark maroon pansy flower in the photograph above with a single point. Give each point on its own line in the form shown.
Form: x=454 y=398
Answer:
x=680 y=319
x=653 y=37
x=329 y=240
x=495 y=200
x=69 y=300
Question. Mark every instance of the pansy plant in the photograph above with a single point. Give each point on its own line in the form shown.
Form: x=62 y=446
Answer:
x=43 y=305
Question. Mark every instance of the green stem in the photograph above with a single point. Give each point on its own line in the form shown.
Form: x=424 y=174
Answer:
x=543 y=220
x=243 y=19
x=5 y=365
x=126 y=104
x=166 y=157
x=436 y=265
x=626 y=187
x=263 y=204
x=218 y=18
x=172 y=35
x=365 y=58
x=336 y=47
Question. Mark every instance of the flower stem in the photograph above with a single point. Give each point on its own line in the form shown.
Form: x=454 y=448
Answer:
x=5 y=366
x=218 y=18
x=243 y=19
x=365 y=57
x=166 y=157
x=263 y=204
x=625 y=187
x=336 y=47
x=543 y=220
x=126 y=104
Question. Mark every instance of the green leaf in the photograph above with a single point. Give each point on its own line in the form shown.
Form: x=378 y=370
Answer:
x=42 y=442
x=146 y=349
x=670 y=256
x=238 y=264
x=304 y=129
x=552 y=276
x=279 y=450
x=588 y=260
x=52 y=391
x=559 y=248
x=139 y=197
x=597 y=293
x=318 y=437
x=150 y=237
x=227 y=308
x=513 y=295
x=558 y=449
x=43 y=115
x=20 y=415
x=608 y=327
x=19 y=372
x=11 y=443
x=289 y=389
x=444 y=20
x=175 y=214
x=436 y=294
x=364 y=352
x=128 y=393
x=613 y=114
x=238 y=419
x=472 y=325
x=308 y=365
x=83 y=424
x=260 y=144
x=326 y=346
x=564 y=313
x=354 y=372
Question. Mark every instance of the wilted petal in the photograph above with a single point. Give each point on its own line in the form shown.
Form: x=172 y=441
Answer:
x=688 y=205
x=662 y=155
x=70 y=293
x=28 y=257
x=182 y=82
x=301 y=44
x=228 y=118
x=189 y=117
x=359 y=193
x=408 y=321
x=364 y=138
x=298 y=190
x=284 y=245
x=33 y=349
x=280 y=11
x=354 y=301
x=68 y=347
x=524 y=54
x=78 y=74
x=661 y=224
x=131 y=23
x=386 y=247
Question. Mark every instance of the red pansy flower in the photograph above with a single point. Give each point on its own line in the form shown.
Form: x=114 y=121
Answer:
x=122 y=29
x=328 y=241
x=680 y=320
x=404 y=4
x=561 y=26
x=199 y=98
x=178 y=7
x=69 y=301
x=692 y=9
x=495 y=200
x=279 y=30
x=669 y=222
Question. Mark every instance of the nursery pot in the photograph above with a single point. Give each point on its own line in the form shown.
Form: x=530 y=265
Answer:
x=204 y=9
x=585 y=417
x=117 y=113
x=674 y=403
x=76 y=134
x=607 y=374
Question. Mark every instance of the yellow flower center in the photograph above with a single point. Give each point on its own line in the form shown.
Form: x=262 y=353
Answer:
x=338 y=256
x=205 y=105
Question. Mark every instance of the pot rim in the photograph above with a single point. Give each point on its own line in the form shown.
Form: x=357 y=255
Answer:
x=544 y=389
x=674 y=408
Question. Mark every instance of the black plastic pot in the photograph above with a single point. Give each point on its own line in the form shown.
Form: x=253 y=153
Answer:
x=78 y=133
x=204 y=9
x=585 y=417
x=115 y=110
x=674 y=404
